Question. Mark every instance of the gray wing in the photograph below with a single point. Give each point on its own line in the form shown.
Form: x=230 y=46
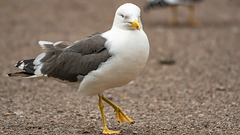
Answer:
x=155 y=3
x=164 y=3
x=76 y=61
x=187 y=1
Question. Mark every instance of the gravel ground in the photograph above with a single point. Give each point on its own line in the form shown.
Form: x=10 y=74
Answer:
x=198 y=94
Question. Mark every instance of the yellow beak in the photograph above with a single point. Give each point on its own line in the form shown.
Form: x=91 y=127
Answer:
x=135 y=24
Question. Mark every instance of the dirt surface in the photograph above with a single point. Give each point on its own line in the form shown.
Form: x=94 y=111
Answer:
x=199 y=94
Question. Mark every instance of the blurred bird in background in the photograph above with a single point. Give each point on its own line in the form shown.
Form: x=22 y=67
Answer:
x=174 y=4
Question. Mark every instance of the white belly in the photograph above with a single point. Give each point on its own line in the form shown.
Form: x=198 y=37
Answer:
x=127 y=61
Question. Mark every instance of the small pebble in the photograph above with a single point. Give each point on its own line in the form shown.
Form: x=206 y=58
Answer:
x=201 y=115
x=135 y=132
x=220 y=88
x=166 y=61
x=60 y=111
x=188 y=116
x=8 y=114
x=85 y=132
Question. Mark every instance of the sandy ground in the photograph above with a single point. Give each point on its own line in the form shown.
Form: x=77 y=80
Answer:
x=199 y=94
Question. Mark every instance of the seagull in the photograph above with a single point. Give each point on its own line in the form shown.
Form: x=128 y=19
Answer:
x=100 y=62
x=173 y=4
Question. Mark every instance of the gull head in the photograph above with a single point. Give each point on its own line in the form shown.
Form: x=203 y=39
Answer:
x=127 y=17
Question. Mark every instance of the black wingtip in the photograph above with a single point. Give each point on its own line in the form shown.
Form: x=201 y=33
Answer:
x=20 y=74
x=18 y=63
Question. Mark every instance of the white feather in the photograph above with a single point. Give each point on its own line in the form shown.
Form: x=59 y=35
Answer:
x=37 y=71
x=21 y=66
x=43 y=43
x=57 y=43
x=37 y=61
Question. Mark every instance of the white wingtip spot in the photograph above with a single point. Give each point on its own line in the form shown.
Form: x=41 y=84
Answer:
x=18 y=62
x=21 y=66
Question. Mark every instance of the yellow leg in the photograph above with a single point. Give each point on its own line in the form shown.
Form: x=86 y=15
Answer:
x=105 y=129
x=174 y=20
x=121 y=117
x=191 y=20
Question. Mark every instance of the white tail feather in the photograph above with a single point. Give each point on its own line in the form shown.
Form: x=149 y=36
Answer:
x=43 y=43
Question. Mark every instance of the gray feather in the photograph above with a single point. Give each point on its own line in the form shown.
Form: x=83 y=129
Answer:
x=79 y=59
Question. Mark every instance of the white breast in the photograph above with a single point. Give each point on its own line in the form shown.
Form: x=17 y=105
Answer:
x=130 y=50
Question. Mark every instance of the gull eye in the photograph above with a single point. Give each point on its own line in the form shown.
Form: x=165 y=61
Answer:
x=122 y=15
